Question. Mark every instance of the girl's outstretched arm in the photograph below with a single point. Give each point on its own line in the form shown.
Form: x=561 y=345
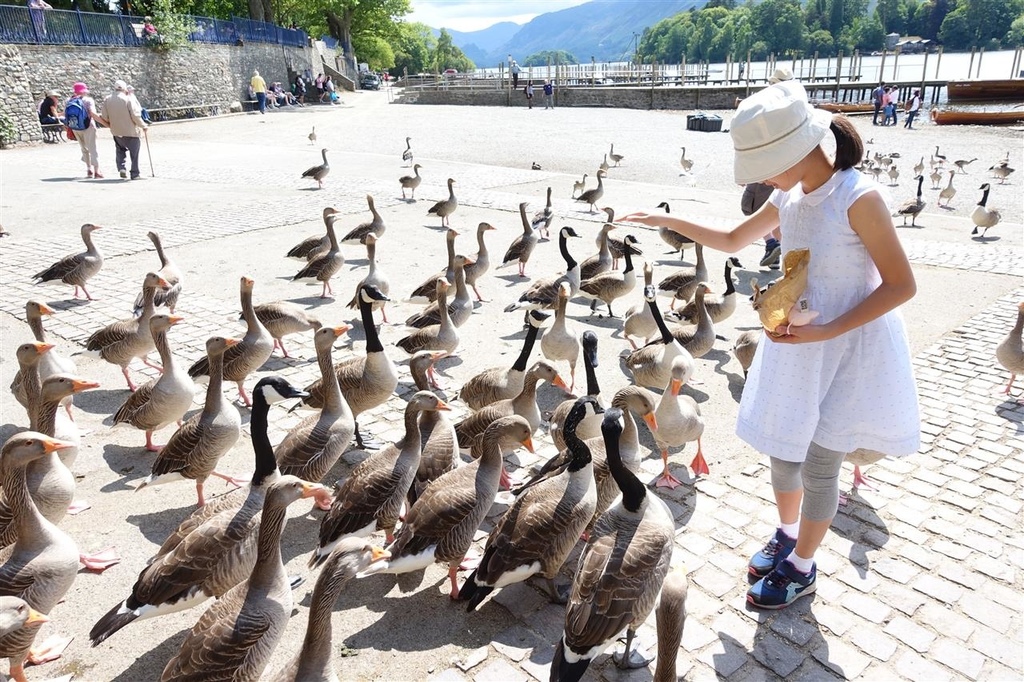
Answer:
x=729 y=240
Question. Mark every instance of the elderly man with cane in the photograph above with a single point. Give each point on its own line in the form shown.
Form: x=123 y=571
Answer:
x=123 y=115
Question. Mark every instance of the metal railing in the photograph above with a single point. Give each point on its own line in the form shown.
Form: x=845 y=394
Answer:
x=61 y=27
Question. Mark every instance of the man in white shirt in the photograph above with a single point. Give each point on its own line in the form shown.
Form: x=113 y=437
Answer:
x=913 y=106
x=123 y=115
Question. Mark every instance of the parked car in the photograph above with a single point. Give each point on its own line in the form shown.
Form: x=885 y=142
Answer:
x=451 y=72
x=369 y=81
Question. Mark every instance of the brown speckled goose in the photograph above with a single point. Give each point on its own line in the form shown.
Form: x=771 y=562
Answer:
x=620 y=571
x=460 y=308
x=480 y=262
x=282 y=318
x=440 y=451
x=561 y=341
x=317 y=245
x=163 y=400
x=700 y=339
x=44 y=561
x=1010 y=351
x=681 y=284
x=670 y=617
x=246 y=357
x=609 y=286
x=639 y=321
x=446 y=207
x=745 y=346
x=543 y=293
x=76 y=269
x=374 y=226
x=236 y=637
x=542 y=219
x=615 y=245
x=522 y=246
x=441 y=525
x=27 y=383
x=170 y=272
x=320 y=172
x=719 y=308
x=192 y=452
x=675 y=240
x=370 y=499
x=592 y=196
x=651 y=365
x=324 y=267
x=121 y=342
x=315 y=660
x=411 y=182
x=500 y=383
x=51 y=362
x=313 y=446
x=374 y=277
x=536 y=534
x=600 y=261
x=427 y=292
x=442 y=336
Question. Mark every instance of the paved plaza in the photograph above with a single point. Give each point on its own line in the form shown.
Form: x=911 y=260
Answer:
x=921 y=578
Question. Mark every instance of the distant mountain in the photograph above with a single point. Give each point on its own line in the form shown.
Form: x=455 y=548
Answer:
x=487 y=40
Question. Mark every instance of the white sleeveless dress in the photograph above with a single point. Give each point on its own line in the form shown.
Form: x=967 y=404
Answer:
x=854 y=391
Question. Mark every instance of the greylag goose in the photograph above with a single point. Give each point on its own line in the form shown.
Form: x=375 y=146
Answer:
x=319 y=172
x=441 y=525
x=236 y=637
x=480 y=262
x=499 y=383
x=411 y=181
x=676 y=241
x=962 y=164
x=376 y=278
x=213 y=549
x=121 y=342
x=282 y=318
x=670 y=617
x=312 y=137
x=535 y=535
x=445 y=207
x=51 y=362
x=592 y=196
x=427 y=292
x=192 y=452
x=936 y=178
x=163 y=400
x=459 y=309
x=370 y=499
x=609 y=286
x=638 y=320
x=543 y=293
x=982 y=216
x=679 y=423
x=914 y=206
x=315 y=660
x=681 y=285
x=522 y=246
x=744 y=348
x=171 y=274
x=579 y=186
x=1010 y=351
x=919 y=167
x=542 y=219
x=317 y=245
x=617 y=246
x=15 y=614
x=600 y=261
x=590 y=424
x=43 y=563
x=324 y=267
x=246 y=357
x=604 y=164
x=78 y=268
x=721 y=308
x=374 y=226
x=27 y=383
x=700 y=339
x=651 y=365
x=949 y=191
x=686 y=163
x=562 y=340
x=313 y=446
x=366 y=380
x=442 y=336
x=616 y=158
x=894 y=175
x=407 y=154
x=1002 y=171
x=620 y=571
x=440 y=451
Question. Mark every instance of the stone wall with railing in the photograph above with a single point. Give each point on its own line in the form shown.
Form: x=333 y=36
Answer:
x=622 y=97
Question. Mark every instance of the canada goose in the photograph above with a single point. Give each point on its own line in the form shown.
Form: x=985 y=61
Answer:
x=604 y=164
x=374 y=226
x=679 y=423
x=445 y=207
x=936 y=178
x=744 y=348
x=670 y=616
x=592 y=196
x=719 y=309
x=163 y=400
x=193 y=451
x=651 y=365
x=522 y=246
x=590 y=424
x=982 y=216
x=543 y=293
x=427 y=291
x=620 y=571
x=441 y=525
x=411 y=181
x=638 y=320
x=616 y=158
x=236 y=637
x=562 y=340
x=317 y=245
x=312 y=137
x=439 y=453
x=600 y=261
x=941 y=158
x=442 y=336
x=686 y=163
x=542 y=219
x=1001 y=171
x=460 y=308
x=51 y=362
x=407 y=154
x=319 y=172
x=324 y=267
x=962 y=164
x=370 y=499
x=609 y=286
x=675 y=240
x=535 y=166
x=535 y=535
x=374 y=277
x=579 y=186
x=480 y=262
x=1010 y=351
x=948 y=192
x=282 y=318
x=78 y=268
x=914 y=206
x=499 y=383
x=171 y=274
x=681 y=285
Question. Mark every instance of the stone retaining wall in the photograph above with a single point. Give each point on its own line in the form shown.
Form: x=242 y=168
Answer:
x=618 y=97
x=198 y=73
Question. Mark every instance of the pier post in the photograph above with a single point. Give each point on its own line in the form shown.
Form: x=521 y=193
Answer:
x=938 y=60
x=981 y=53
x=895 y=65
x=839 y=74
x=970 y=66
x=682 y=72
x=881 y=68
x=924 y=72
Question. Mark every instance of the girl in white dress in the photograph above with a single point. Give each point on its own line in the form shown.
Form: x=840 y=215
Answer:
x=815 y=393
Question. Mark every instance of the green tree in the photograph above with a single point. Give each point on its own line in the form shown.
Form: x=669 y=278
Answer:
x=543 y=57
x=974 y=23
x=413 y=46
x=821 y=42
x=1015 y=37
x=937 y=14
x=448 y=56
x=780 y=24
x=375 y=51
x=871 y=36
x=342 y=19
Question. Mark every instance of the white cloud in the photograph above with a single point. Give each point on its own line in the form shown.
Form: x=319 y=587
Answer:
x=479 y=14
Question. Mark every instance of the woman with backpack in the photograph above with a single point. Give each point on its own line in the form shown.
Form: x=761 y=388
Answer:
x=80 y=116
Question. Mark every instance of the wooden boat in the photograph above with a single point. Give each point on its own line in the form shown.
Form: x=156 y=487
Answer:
x=847 y=107
x=1004 y=90
x=943 y=117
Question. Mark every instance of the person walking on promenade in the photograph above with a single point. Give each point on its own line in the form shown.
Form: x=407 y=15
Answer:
x=123 y=115
x=529 y=94
x=37 y=9
x=817 y=392
x=514 y=70
x=549 y=95
x=80 y=115
x=300 y=90
x=259 y=86
x=913 y=107
x=877 y=98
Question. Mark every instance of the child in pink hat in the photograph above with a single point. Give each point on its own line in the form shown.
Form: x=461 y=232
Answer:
x=87 y=138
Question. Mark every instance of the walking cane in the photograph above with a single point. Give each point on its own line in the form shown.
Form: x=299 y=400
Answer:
x=145 y=133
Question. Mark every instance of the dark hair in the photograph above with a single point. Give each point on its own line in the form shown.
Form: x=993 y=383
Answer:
x=849 y=147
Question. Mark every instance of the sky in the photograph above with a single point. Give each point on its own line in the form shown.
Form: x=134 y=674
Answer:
x=473 y=15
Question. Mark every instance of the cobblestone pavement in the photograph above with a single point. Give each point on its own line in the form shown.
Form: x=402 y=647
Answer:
x=920 y=578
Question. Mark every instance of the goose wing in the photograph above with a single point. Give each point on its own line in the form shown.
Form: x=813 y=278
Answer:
x=183 y=443
x=62 y=268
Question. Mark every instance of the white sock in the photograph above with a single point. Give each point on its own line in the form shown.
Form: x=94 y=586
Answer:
x=801 y=564
x=791 y=529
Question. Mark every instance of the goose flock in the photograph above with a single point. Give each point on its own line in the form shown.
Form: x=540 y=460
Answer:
x=426 y=494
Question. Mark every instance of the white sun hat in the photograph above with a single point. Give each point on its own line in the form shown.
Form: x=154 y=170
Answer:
x=772 y=130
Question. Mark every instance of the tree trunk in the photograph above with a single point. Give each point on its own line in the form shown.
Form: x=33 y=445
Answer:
x=256 y=10
x=268 y=11
x=340 y=27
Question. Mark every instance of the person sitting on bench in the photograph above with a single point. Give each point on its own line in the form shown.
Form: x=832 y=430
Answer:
x=48 y=109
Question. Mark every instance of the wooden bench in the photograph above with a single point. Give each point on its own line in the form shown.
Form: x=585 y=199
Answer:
x=53 y=132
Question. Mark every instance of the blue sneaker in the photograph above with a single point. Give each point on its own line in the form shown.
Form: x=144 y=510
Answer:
x=777 y=549
x=783 y=586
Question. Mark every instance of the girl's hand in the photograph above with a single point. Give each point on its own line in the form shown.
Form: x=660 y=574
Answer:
x=811 y=333
x=649 y=219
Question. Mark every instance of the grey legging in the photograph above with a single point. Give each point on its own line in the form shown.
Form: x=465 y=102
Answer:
x=819 y=476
